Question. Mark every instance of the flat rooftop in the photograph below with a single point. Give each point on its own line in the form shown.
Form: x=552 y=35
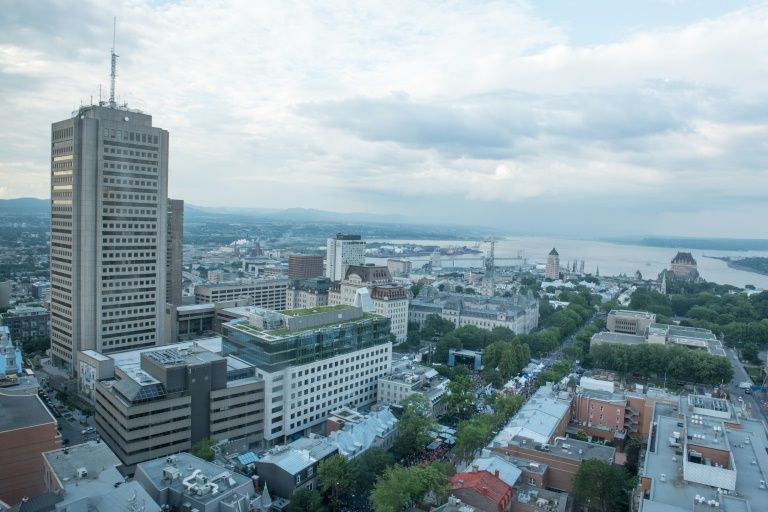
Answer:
x=315 y=310
x=94 y=457
x=747 y=446
x=187 y=464
x=537 y=420
x=617 y=337
x=22 y=411
x=132 y=358
x=626 y=313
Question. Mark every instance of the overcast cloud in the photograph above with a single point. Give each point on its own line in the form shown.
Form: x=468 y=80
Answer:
x=642 y=117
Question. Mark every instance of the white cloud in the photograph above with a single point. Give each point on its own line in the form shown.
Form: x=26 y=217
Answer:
x=481 y=100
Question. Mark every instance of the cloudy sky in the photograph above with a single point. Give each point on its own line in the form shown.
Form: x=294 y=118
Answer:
x=573 y=117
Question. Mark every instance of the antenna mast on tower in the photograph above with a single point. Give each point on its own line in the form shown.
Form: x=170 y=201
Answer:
x=113 y=74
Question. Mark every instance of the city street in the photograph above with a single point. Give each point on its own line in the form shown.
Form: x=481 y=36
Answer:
x=752 y=405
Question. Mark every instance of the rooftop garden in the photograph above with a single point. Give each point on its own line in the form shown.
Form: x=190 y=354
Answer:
x=315 y=310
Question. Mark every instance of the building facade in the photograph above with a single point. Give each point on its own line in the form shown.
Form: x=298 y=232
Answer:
x=629 y=322
x=27 y=430
x=109 y=189
x=342 y=251
x=553 y=265
x=312 y=362
x=26 y=323
x=175 y=251
x=264 y=293
x=388 y=299
x=304 y=266
x=308 y=293
x=519 y=313
x=175 y=398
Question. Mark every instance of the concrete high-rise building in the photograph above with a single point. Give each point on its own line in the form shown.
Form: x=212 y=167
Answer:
x=553 y=265
x=343 y=251
x=174 y=252
x=304 y=266
x=109 y=180
x=312 y=362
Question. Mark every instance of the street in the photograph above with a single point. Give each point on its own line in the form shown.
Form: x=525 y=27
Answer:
x=751 y=402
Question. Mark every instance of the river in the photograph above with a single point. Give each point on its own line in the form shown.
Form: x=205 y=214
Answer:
x=610 y=258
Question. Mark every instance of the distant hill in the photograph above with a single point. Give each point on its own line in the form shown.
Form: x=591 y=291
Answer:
x=295 y=215
x=25 y=206
x=34 y=206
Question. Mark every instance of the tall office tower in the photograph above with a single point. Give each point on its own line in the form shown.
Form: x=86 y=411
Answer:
x=553 y=265
x=343 y=251
x=174 y=254
x=109 y=179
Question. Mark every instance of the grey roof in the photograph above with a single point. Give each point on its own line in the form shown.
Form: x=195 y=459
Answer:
x=151 y=473
x=492 y=462
x=22 y=411
x=300 y=454
x=537 y=419
x=746 y=446
x=617 y=337
x=94 y=457
x=553 y=252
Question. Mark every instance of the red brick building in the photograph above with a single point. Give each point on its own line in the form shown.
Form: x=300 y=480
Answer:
x=27 y=429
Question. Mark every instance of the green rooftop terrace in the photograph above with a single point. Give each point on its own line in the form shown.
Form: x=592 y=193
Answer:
x=315 y=310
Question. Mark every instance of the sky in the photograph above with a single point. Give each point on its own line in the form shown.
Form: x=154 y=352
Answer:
x=573 y=117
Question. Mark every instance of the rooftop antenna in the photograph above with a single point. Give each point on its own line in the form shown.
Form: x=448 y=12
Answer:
x=113 y=75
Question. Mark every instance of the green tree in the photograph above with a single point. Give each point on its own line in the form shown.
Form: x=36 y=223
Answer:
x=399 y=486
x=305 y=500
x=416 y=288
x=470 y=436
x=749 y=353
x=601 y=487
x=333 y=477
x=365 y=468
x=203 y=449
x=443 y=347
x=461 y=397
x=436 y=326
x=414 y=426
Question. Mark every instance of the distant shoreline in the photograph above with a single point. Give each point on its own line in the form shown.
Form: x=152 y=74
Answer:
x=712 y=244
x=740 y=264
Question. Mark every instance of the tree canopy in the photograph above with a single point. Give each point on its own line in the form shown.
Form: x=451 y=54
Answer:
x=678 y=363
x=414 y=426
x=602 y=487
x=400 y=486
